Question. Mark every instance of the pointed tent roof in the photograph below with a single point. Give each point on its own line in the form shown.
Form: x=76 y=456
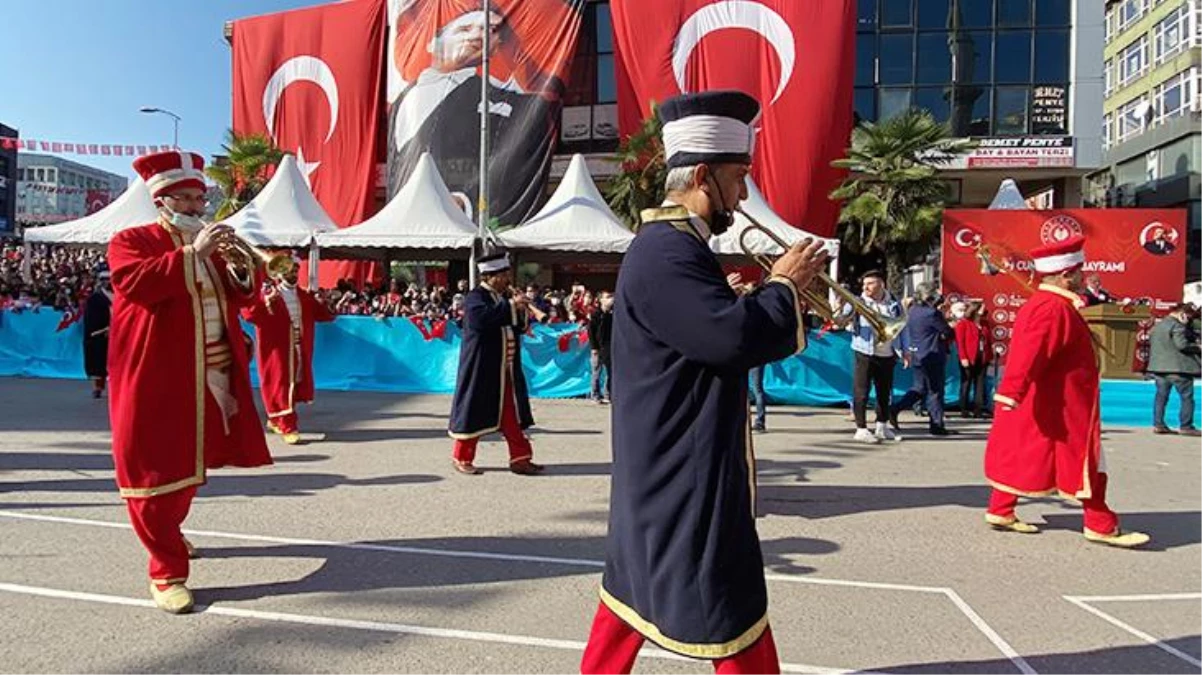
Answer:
x=575 y=219
x=1009 y=197
x=757 y=207
x=285 y=213
x=423 y=215
x=134 y=207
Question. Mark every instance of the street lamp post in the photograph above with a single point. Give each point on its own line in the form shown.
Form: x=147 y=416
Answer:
x=175 y=119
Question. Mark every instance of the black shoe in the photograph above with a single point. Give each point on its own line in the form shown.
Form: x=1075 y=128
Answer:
x=942 y=431
x=1162 y=430
x=893 y=419
x=96 y=393
x=1189 y=431
x=758 y=429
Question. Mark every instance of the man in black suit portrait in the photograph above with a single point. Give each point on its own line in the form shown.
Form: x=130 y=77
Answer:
x=1158 y=243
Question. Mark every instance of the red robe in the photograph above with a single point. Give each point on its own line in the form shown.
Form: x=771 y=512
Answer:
x=285 y=359
x=167 y=428
x=1051 y=440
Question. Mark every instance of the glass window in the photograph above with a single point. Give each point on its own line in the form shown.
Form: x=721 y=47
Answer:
x=866 y=15
x=1051 y=56
x=1129 y=12
x=894 y=102
x=1107 y=130
x=897 y=13
x=1010 y=117
x=866 y=58
x=607 y=81
x=976 y=13
x=972 y=56
x=896 y=58
x=1133 y=60
x=865 y=102
x=934 y=59
x=605 y=31
x=1172 y=96
x=1014 y=13
x=935 y=13
x=1013 y=62
x=1131 y=119
x=1052 y=13
x=1108 y=69
x=935 y=100
x=1171 y=35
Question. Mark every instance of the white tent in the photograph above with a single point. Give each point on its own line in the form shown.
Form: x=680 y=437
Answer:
x=757 y=207
x=284 y=214
x=423 y=215
x=576 y=219
x=134 y=207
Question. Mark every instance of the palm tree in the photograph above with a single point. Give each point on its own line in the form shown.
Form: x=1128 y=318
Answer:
x=640 y=182
x=249 y=163
x=894 y=198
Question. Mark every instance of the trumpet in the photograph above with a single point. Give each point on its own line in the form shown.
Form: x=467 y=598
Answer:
x=885 y=329
x=990 y=268
x=275 y=264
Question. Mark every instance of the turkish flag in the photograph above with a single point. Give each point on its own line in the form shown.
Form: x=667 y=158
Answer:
x=95 y=200
x=797 y=58
x=312 y=80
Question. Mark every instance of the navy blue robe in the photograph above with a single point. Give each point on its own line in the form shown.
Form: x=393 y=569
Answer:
x=683 y=564
x=96 y=318
x=489 y=323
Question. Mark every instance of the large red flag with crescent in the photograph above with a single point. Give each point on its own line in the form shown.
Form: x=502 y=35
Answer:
x=311 y=79
x=796 y=57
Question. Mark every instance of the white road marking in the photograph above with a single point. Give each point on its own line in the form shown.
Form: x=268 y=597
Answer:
x=357 y=624
x=1082 y=602
x=979 y=623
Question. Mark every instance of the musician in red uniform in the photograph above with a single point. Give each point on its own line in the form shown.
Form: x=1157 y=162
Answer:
x=1046 y=435
x=284 y=317
x=181 y=400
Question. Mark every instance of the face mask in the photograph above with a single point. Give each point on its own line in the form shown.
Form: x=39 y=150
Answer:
x=721 y=220
x=182 y=221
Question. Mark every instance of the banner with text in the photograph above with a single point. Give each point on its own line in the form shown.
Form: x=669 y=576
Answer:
x=434 y=56
x=1138 y=256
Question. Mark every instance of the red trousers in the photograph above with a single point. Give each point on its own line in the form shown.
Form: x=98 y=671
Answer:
x=1098 y=516
x=157 y=522
x=286 y=424
x=519 y=446
x=613 y=646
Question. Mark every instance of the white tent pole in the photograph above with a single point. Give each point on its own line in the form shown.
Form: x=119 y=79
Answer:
x=314 y=262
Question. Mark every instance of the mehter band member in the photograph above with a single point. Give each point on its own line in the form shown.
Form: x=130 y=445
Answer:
x=285 y=317
x=683 y=564
x=1046 y=435
x=97 y=313
x=490 y=390
x=181 y=398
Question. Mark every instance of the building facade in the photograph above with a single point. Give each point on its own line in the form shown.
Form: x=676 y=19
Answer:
x=52 y=189
x=8 y=184
x=1021 y=77
x=1153 y=107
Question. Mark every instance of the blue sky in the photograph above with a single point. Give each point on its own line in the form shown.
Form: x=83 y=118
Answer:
x=77 y=71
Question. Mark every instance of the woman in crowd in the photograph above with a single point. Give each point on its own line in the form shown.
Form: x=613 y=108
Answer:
x=973 y=345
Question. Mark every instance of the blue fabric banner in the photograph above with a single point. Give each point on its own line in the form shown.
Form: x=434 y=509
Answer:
x=357 y=353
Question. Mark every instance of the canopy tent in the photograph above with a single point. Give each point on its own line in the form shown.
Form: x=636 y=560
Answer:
x=576 y=220
x=757 y=207
x=421 y=222
x=134 y=207
x=284 y=214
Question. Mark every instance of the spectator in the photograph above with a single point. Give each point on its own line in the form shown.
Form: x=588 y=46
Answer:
x=927 y=336
x=600 y=332
x=1174 y=363
x=973 y=346
x=874 y=363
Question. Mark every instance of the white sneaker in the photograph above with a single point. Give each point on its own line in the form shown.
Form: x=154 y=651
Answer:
x=866 y=436
x=884 y=433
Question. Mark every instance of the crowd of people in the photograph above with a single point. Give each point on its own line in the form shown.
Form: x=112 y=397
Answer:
x=55 y=277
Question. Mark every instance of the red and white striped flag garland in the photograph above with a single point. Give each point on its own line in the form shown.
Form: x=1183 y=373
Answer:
x=59 y=147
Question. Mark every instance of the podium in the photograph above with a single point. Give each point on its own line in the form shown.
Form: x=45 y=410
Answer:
x=1116 y=330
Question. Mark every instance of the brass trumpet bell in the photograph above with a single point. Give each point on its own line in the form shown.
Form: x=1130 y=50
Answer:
x=275 y=264
x=885 y=329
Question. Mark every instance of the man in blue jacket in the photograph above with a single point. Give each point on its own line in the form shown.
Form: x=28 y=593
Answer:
x=926 y=339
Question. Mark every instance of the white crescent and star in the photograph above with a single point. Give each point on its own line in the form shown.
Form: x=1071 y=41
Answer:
x=301 y=69
x=742 y=14
x=966 y=242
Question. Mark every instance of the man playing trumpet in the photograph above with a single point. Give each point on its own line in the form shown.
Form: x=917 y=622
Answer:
x=285 y=318
x=683 y=564
x=181 y=398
